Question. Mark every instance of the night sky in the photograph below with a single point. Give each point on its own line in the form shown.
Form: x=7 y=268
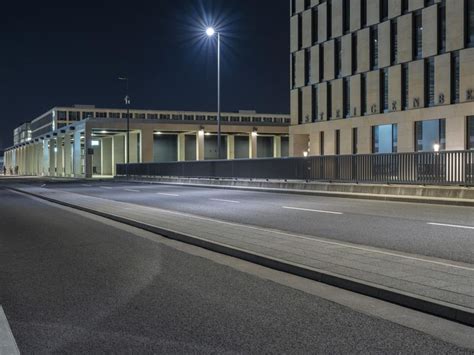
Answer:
x=57 y=53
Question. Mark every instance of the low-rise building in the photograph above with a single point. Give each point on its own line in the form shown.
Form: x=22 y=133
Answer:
x=82 y=141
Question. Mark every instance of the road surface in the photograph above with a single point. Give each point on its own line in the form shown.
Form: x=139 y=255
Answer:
x=76 y=283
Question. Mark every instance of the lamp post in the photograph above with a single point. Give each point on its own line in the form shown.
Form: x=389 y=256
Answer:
x=210 y=31
x=127 y=104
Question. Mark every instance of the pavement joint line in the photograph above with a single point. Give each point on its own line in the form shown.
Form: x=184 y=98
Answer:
x=311 y=210
x=221 y=200
x=444 y=309
x=450 y=225
x=8 y=345
x=314 y=239
x=350 y=195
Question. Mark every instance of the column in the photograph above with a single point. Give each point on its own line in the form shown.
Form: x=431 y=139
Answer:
x=253 y=145
x=45 y=159
x=67 y=156
x=52 y=157
x=88 y=152
x=77 y=155
x=146 y=146
x=106 y=156
x=230 y=147
x=200 y=145
x=60 y=157
x=134 y=153
x=181 y=147
x=277 y=146
x=118 y=151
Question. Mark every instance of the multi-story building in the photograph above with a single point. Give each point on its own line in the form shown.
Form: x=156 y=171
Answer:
x=22 y=134
x=82 y=141
x=381 y=76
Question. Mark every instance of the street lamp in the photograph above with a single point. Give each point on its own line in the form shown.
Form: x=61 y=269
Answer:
x=210 y=32
x=436 y=147
x=127 y=104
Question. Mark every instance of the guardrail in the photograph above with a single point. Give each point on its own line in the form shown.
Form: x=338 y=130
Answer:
x=430 y=168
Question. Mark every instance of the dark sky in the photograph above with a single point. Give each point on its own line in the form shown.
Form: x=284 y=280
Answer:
x=71 y=52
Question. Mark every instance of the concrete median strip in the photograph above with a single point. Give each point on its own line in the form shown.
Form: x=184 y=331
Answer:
x=439 y=287
x=8 y=344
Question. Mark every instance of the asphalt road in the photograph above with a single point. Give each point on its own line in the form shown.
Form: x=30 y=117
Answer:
x=73 y=284
x=445 y=232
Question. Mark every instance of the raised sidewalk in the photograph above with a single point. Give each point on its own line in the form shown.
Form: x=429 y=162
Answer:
x=439 y=287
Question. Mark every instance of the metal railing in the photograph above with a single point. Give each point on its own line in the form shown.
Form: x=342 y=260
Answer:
x=431 y=168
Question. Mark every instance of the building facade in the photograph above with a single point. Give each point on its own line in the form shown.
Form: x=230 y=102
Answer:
x=381 y=76
x=83 y=141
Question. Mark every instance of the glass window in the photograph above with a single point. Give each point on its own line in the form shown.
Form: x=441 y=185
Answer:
x=338 y=57
x=363 y=92
x=347 y=15
x=455 y=77
x=470 y=133
x=329 y=18
x=86 y=115
x=62 y=115
x=384 y=89
x=307 y=66
x=338 y=142
x=384 y=9
x=314 y=106
x=300 y=32
x=374 y=48
x=385 y=139
x=355 y=140
x=329 y=101
x=347 y=97
x=430 y=81
x=314 y=24
x=405 y=88
x=417 y=35
x=363 y=15
x=470 y=22
x=74 y=116
x=429 y=134
x=354 y=52
x=442 y=27
x=114 y=115
x=321 y=143
x=394 y=34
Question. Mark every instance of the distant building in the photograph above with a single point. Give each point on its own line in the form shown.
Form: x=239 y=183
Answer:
x=22 y=134
x=381 y=76
x=82 y=141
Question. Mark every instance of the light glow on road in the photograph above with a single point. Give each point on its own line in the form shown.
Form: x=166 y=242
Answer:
x=450 y=226
x=310 y=210
x=220 y=200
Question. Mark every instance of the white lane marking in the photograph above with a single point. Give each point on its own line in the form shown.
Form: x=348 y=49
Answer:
x=43 y=185
x=165 y=194
x=7 y=341
x=450 y=225
x=220 y=200
x=131 y=190
x=310 y=210
x=106 y=187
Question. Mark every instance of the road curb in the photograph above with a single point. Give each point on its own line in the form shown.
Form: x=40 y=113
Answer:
x=437 y=308
x=391 y=198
